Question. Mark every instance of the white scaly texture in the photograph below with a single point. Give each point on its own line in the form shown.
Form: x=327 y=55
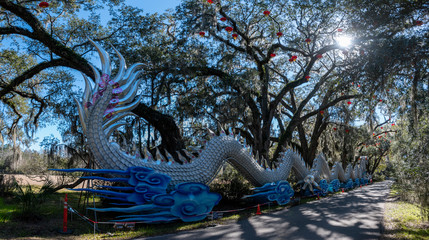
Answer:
x=118 y=97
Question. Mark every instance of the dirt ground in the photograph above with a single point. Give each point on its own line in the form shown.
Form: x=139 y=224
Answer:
x=37 y=180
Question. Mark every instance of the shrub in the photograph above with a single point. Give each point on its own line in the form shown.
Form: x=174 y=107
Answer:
x=231 y=185
x=30 y=201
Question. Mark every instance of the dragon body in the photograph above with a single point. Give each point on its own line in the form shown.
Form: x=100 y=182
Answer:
x=105 y=105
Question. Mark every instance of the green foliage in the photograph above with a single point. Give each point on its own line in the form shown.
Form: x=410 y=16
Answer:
x=30 y=201
x=231 y=185
x=410 y=162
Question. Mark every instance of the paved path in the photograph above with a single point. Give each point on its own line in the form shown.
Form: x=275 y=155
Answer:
x=352 y=215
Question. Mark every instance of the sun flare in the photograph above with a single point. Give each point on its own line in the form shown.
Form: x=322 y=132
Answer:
x=344 y=41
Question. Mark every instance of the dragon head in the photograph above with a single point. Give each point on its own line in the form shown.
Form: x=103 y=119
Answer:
x=124 y=89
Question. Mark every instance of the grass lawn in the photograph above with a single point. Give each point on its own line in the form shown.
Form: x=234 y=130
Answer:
x=49 y=221
x=403 y=220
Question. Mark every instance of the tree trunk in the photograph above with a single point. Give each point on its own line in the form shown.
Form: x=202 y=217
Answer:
x=172 y=139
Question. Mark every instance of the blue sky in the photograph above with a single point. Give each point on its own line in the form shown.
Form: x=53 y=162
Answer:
x=148 y=6
x=152 y=6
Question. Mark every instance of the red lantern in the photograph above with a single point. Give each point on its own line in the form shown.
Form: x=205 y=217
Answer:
x=381 y=127
x=307 y=77
x=210 y=1
x=294 y=57
x=349 y=102
x=202 y=34
x=291 y=60
x=266 y=12
x=339 y=30
x=322 y=112
x=373 y=134
x=229 y=29
x=235 y=35
x=272 y=55
x=380 y=100
x=419 y=23
x=279 y=34
x=335 y=129
x=308 y=40
x=347 y=131
x=43 y=4
x=319 y=56
x=223 y=19
x=393 y=124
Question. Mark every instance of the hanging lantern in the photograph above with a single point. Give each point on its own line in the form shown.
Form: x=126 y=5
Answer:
x=279 y=34
x=235 y=35
x=308 y=40
x=319 y=56
x=419 y=23
x=339 y=30
x=307 y=77
x=393 y=124
x=322 y=112
x=381 y=127
x=373 y=134
x=293 y=58
x=210 y=1
x=266 y=12
x=223 y=19
x=358 y=85
x=380 y=100
x=202 y=34
x=229 y=29
x=43 y=4
x=273 y=55
x=347 y=131
x=335 y=129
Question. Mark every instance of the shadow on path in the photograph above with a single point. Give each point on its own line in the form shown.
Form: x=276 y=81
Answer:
x=352 y=215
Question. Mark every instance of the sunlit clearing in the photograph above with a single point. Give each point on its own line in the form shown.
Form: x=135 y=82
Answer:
x=344 y=41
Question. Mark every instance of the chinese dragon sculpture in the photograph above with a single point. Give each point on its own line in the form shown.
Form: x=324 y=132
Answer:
x=163 y=188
